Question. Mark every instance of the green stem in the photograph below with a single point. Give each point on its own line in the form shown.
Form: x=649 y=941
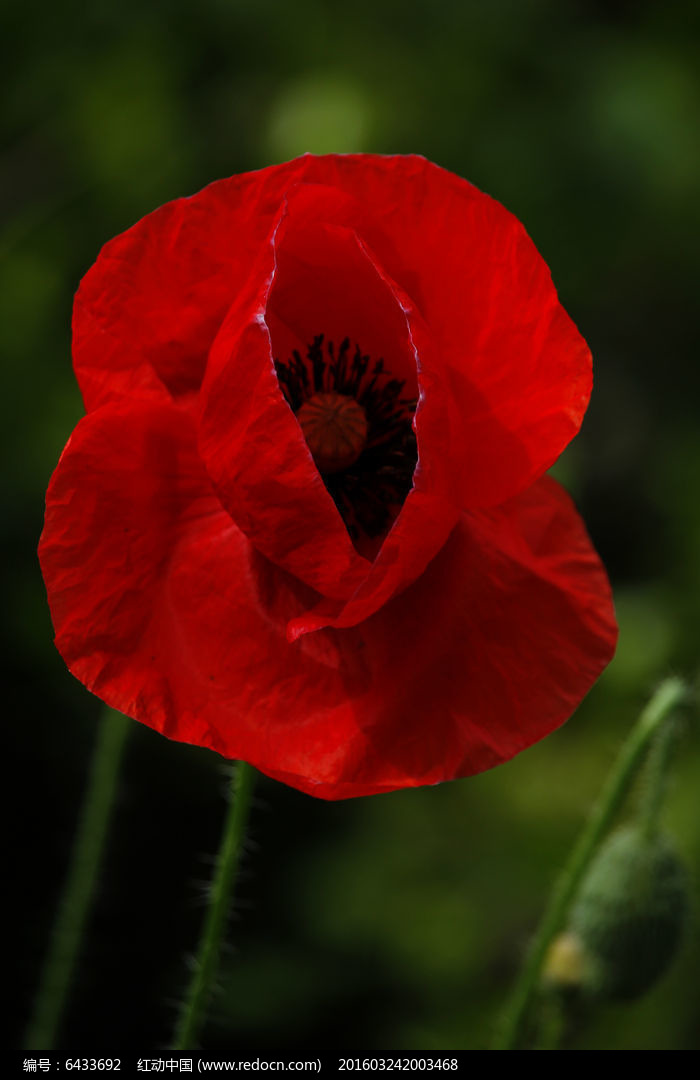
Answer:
x=552 y=1024
x=206 y=962
x=656 y=779
x=78 y=891
x=669 y=694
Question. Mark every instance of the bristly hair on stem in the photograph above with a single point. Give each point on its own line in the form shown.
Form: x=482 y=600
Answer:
x=206 y=961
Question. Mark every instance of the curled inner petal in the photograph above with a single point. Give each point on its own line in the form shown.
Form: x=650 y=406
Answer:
x=312 y=278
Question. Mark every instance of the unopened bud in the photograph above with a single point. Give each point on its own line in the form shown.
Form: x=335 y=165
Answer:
x=630 y=912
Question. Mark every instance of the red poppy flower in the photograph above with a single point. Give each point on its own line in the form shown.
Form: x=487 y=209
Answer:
x=305 y=520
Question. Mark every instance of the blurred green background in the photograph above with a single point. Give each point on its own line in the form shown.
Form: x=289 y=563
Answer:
x=394 y=922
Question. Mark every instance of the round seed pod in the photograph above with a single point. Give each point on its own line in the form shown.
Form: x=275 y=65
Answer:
x=630 y=912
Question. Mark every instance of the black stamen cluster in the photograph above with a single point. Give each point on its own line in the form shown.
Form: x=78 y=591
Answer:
x=369 y=492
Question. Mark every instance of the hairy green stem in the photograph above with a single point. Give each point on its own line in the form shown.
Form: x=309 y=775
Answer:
x=194 y=1008
x=669 y=694
x=76 y=898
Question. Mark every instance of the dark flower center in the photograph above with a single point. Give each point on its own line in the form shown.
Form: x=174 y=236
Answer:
x=335 y=428
x=358 y=426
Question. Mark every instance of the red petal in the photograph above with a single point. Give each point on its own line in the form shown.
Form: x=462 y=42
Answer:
x=147 y=312
x=162 y=608
x=256 y=454
x=313 y=277
x=510 y=376
x=490 y=650
x=127 y=491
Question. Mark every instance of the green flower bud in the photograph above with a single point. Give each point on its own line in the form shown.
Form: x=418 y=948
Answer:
x=630 y=912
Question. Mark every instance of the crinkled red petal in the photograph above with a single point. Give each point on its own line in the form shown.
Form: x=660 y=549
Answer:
x=147 y=312
x=165 y=611
x=311 y=278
